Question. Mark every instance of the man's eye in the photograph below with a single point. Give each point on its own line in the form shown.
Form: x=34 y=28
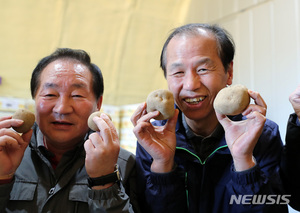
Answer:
x=178 y=73
x=50 y=95
x=77 y=96
x=202 y=71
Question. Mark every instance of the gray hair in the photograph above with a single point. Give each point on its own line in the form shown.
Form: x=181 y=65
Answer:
x=225 y=43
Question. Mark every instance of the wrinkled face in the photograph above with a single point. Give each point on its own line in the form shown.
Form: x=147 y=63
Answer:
x=195 y=74
x=64 y=101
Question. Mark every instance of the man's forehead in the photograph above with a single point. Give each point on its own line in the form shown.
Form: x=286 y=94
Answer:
x=63 y=63
x=205 y=35
x=65 y=66
x=76 y=65
x=65 y=71
x=191 y=43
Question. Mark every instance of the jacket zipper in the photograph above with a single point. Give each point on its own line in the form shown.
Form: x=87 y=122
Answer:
x=202 y=163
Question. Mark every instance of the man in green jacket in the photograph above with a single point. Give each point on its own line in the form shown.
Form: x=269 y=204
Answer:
x=61 y=165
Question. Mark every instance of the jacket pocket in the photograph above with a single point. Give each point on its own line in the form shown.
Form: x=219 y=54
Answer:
x=79 y=193
x=23 y=191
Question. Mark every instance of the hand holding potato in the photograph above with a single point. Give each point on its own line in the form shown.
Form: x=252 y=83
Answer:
x=295 y=100
x=92 y=125
x=102 y=148
x=242 y=136
x=12 y=146
x=158 y=141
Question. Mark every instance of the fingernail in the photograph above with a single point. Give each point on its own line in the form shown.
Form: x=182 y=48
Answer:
x=20 y=121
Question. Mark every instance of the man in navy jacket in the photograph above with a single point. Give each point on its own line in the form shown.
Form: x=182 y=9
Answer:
x=199 y=160
x=290 y=158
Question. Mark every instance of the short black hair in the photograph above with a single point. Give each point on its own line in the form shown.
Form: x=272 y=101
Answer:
x=67 y=53
x=225 y=43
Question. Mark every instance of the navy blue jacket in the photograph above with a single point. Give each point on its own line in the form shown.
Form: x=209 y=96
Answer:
x=213 y=185
x=290 y=163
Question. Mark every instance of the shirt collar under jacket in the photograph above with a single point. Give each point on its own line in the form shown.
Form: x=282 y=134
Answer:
x=40 y=139
x=217 y=133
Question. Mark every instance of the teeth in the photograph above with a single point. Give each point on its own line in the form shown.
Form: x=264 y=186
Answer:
x=190 y=100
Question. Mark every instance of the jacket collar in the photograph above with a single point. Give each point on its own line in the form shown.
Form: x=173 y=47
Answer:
x=182 y=137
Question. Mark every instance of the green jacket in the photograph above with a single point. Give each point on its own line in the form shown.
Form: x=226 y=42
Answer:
x=37 y=187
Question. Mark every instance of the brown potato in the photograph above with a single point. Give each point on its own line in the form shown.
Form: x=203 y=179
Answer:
x=163 y=101
x=27 y=116
x=232 y=100
x=92 y=124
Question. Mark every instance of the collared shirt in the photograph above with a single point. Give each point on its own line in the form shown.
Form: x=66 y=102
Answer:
x=67 y=157
x=204 y=146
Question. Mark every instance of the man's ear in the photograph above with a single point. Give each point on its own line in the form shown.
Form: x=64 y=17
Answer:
x=230 y=73
x=99 y=103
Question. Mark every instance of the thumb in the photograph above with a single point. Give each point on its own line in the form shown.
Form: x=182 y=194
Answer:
x=171 y=123
x=26 y=138
x=223 y=119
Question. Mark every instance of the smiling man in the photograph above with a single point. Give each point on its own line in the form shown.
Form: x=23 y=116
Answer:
x=198 y=160
x=61 y=165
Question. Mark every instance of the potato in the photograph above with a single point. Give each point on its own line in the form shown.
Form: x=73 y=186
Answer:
x=161 y=100
x=232 y=100
x=92 y=124
x=28 y=118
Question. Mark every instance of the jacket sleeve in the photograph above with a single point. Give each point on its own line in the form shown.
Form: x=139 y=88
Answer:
x=5 y=190
x=159 y=192
x=264 y=178
x=122 y=196
x=290 y=162
x=111 y=200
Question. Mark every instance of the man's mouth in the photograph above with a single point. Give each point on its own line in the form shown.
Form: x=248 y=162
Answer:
x=194 y=100
x=61 y=123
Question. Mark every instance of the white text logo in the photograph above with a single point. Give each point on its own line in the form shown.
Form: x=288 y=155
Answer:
x=260 y=199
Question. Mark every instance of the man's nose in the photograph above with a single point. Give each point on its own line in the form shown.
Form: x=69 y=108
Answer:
x=192 y=81
x=63 y=105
